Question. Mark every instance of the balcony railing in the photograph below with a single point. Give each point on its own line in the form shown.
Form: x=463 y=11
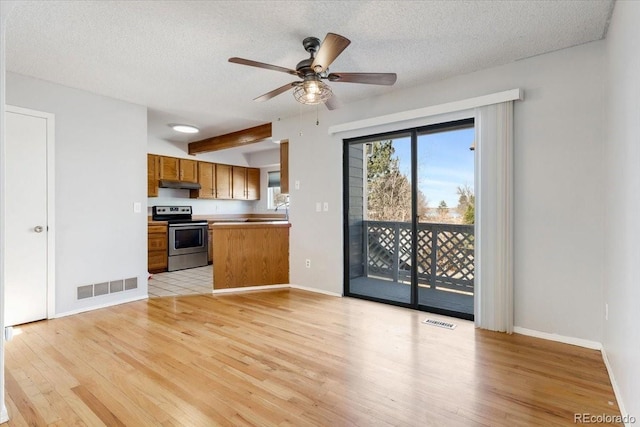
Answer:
x=444 y=260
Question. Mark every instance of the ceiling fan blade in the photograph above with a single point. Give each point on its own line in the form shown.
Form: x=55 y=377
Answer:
x=386 y=79
x=251 y=63
x=331 y=47
x=276 y=92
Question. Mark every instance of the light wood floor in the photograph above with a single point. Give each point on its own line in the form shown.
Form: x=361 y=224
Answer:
x=291 y=358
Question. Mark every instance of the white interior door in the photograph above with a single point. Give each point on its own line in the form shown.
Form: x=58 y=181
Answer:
x=26 y=221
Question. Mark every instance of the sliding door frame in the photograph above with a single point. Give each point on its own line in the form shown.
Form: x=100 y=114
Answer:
x=413 y=133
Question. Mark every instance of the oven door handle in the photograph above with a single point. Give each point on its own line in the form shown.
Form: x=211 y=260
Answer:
x=187 y=225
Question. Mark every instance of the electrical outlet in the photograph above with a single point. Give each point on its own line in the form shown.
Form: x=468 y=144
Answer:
x=307 y=263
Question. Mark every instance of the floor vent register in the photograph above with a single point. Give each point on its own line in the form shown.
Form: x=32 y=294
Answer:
x=439 y=323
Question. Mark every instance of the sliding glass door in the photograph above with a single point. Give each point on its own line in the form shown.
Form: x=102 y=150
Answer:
x=379 y=217
x=409 y=217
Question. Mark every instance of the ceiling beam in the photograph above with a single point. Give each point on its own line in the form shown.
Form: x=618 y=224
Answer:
x=231 y=140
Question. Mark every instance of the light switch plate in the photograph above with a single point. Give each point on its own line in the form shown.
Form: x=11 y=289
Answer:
x=137 y=207
x=325 y=206
x=297 y=184
x=318 y=207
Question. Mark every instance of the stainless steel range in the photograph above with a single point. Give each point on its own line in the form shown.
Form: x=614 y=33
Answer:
x=188 y=243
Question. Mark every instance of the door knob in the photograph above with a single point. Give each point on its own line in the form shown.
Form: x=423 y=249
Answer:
x=38 y=229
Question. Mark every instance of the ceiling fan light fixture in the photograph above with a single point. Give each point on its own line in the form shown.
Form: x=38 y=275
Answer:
x=184 y=128
x=312 y=92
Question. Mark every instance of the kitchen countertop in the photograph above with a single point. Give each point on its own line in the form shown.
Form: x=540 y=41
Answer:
x=250 y=224
x=233 y=219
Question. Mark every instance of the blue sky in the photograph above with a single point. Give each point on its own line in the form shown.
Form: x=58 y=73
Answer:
x=444 y=163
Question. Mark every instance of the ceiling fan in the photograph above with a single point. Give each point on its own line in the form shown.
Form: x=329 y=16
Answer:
x=311 y=89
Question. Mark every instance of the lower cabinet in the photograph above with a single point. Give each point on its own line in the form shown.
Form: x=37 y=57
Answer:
x=210 y=256
x=157 y=248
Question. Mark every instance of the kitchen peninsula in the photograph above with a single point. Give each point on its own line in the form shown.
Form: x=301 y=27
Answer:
x=250 y=253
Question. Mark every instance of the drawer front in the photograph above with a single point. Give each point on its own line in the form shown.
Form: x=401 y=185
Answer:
x=157 y=229
x=157 y=242
x=157 y=260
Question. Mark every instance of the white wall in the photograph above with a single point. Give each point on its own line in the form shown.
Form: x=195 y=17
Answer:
x=622 y=277
x=5 y=8
x=100 y=171
x=558 y=174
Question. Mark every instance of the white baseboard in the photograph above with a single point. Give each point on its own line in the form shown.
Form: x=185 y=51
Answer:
x=249 y=289
x=96 y=307
x=318 y=291
x=594 y=345
x=616 y=389
x=4 y=415
x=272 y=287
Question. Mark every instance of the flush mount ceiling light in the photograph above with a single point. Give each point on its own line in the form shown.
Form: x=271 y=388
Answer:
x=312 y=92
x=184 y=128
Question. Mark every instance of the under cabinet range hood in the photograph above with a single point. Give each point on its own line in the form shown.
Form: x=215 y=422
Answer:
x=166 y=183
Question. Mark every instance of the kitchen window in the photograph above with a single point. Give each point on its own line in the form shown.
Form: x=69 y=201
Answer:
x=274 y=197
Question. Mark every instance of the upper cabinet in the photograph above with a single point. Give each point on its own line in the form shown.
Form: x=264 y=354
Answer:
x=253 y=184
x=223 y=181
x=207 y=181
x=284 y=167
x=175 y=169
x=217 y=181
x=239 y=183
x=153 y=169
x=245 y=183
x=188 y=170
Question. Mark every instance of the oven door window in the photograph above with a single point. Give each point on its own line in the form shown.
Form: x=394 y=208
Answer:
x=189 y=238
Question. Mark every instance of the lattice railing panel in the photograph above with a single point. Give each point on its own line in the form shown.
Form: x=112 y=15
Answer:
x=380 y=244
x=389 y=253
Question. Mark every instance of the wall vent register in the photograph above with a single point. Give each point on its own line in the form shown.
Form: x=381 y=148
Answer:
x=106 y=288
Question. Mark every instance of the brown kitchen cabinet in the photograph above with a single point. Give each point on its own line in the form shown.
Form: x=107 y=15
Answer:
x=207 y=181
x=246 y=183
x=284 y=167
x=157 y=244
x=175 y=169
x=153 y=169
x=210 y=256
x=239 y=182
x=223 y=181
x=253 y=184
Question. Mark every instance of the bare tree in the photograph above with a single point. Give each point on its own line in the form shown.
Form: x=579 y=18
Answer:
x=389 y=190
x=466 y=204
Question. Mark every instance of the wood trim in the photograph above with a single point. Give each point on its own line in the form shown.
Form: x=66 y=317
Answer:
x=284 y=167
x=231 y=140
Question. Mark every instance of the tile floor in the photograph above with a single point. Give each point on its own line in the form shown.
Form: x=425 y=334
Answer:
x=182 y=282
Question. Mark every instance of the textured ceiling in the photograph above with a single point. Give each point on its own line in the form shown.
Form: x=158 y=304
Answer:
x=172 y=55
